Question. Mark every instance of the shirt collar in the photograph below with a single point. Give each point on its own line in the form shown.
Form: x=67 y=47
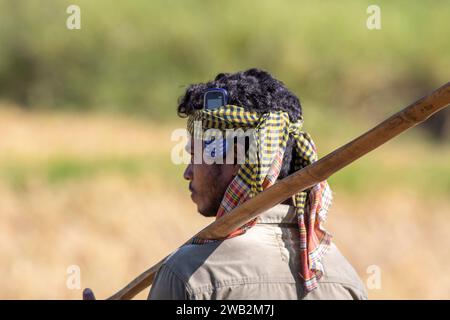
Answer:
x=281 y=213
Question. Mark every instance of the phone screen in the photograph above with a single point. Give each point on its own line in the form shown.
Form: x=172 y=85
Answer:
x=214 y=100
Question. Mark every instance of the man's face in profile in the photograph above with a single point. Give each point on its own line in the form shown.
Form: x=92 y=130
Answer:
x=208 y=182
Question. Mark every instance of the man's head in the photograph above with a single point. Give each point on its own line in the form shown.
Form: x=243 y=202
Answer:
x=254 y=90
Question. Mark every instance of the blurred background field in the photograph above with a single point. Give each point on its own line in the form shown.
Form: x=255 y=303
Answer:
x=86 y=117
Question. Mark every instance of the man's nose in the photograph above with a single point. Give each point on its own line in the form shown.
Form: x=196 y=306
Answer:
x=188 y=173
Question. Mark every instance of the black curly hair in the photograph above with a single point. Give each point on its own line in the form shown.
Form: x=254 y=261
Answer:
x=255 y=90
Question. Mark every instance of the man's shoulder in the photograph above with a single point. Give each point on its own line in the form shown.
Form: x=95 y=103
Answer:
x=249 y=258
x=211 y=257
x=253 y=255
x=189 y=258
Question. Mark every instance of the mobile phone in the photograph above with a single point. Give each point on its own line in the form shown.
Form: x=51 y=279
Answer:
x=215 y=98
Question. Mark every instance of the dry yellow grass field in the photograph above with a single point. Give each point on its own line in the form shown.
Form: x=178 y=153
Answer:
x=100 y=192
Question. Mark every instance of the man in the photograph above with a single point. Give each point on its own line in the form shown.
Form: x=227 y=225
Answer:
x=285 y=253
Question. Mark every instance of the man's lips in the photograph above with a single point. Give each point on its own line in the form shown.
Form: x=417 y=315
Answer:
x=192 y=192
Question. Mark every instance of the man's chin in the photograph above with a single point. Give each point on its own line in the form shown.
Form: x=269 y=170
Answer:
x=205 y=209
x=206 y=212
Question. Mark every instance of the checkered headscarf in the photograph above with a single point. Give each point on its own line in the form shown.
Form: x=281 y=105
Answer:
x=272 y=130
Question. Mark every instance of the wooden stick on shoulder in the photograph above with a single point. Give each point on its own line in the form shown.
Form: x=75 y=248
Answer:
x=307 y=177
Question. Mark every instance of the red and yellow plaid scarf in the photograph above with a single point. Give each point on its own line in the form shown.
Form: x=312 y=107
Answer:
x=272 y=131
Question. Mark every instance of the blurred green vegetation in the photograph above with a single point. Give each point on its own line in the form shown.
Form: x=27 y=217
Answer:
x=57 y=170
x=137 y=56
